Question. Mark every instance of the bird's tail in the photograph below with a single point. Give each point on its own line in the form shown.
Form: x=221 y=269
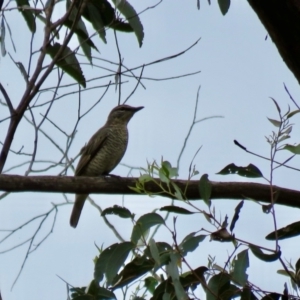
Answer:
x=77 y=208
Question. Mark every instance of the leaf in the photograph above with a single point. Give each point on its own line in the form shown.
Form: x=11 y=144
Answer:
x=271 y=296
x=132 y=17
x=250 y=171
x=241 y=264
x=275 y=122
x=178 y=193
x=276 y=104
x=110 y=261
x=68 y=62
x=10 y=34
x=172 y=172
x=176 y=209
x=27 y=14
x=247 y=294
x=134 y=270
x=102 y=262
x=193 y=278
x=81 y=32
x=172 y=270
x=216 y=285
x=205 y=189
x=162 y=176
x=265 y=257
x=117 y=259
x=154 y=251
x=150 y=284
x=98 y=292
x=2 y=38
x=224 y=6
x=236 y=215
x=143 y=224
x=96 y=20
x=91 y=292
x=292 y=148
x=191 y=242
x=120 y=211
x=286 y=232
x=292 y=113
x=145 y=178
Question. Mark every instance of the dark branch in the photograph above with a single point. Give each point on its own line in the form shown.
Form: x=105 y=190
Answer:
x=281 y=20
x=119 y=185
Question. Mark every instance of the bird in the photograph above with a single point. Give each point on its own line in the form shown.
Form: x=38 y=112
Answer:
x=104 y=151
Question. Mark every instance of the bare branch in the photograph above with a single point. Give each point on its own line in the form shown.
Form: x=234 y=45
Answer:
x=120 y=186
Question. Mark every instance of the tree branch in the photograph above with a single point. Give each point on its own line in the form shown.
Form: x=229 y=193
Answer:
x=120 y=185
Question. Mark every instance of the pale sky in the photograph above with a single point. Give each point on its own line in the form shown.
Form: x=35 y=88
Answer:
x=240 y=71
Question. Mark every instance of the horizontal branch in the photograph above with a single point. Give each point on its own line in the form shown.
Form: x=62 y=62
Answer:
x=120 y=185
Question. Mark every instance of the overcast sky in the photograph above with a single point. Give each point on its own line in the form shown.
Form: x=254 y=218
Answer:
x=240 y=71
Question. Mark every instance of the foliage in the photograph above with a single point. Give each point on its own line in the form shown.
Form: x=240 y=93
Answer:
x=162 y=269
x=156 y=267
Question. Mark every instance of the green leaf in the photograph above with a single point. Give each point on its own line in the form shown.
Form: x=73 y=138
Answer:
x=145 y=178
x=102 y=262
x=292 y=113
x=241 y=264
x=134 y=270
x=205 y=189
x=191 y=242
x=265 y=257
x=68 y=62
x=250 y=171
x=172 y=270
x=120 y=211
x=2 y=38
x=176 y=209
x=150 y=284
x=143 y=224
x=117 y=259
x=132 y=17
x=297 y=267
x=178 y=193
x=110 y=261
x=271 y=296
x=292 y=148
x=170 y=171
x=217 y=285
x=27 y=14
x=94 y=291
x=81 y=32
x=163 y=176
x=193 y=278
x=236 y=215
x=276 y=104
x=275 y=122
x=154 y=251
x=286 y=232
x=96 y=20
x=224 y=6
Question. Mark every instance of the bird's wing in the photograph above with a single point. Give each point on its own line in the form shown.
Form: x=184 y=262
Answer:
x=90 y=150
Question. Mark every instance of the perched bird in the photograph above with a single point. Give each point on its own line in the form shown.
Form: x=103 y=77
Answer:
x=104 y=151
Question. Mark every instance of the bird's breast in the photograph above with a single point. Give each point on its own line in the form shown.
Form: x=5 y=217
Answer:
x=110 y=153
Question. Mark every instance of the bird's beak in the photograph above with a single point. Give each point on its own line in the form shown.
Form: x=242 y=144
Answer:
x=135 y=109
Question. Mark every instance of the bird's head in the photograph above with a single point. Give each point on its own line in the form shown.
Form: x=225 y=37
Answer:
x=122 y=114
